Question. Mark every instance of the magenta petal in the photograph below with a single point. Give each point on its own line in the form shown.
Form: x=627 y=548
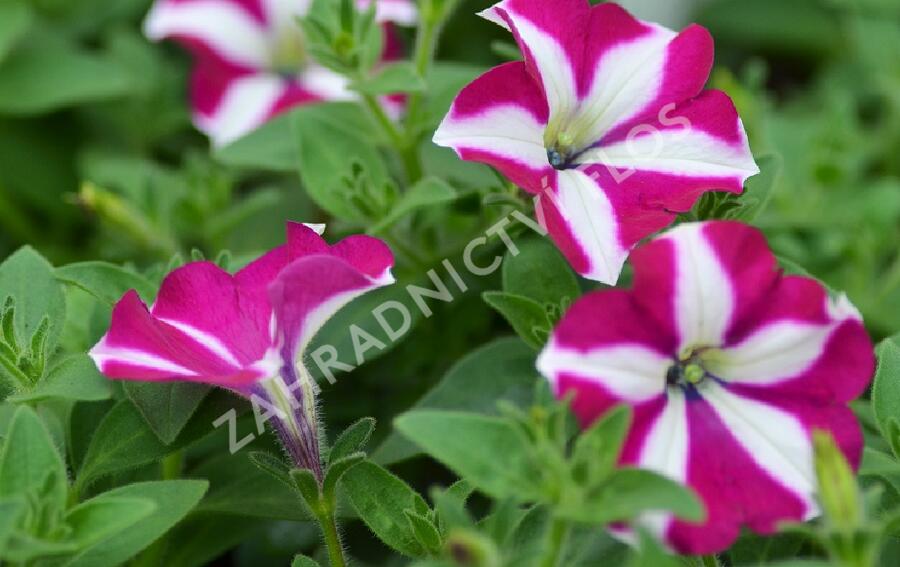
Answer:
x=734 y=488
x=307 y=293
x=140 y=347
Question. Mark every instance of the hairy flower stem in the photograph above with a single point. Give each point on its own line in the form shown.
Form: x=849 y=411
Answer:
x=557 y=535
x=331 y=535
x=709 y=561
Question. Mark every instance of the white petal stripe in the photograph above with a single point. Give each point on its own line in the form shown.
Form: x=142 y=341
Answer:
x=223 y=26
x=626 y=79
x=102 y=355
x=683 y=151
x=665 y=451
x=774 y=439
x=246 y=105
x=704 y=298
x=773 y=354
x=508 y=131
x=206 y=340
x=552 y=61
x=592 y=221
x=631 y=372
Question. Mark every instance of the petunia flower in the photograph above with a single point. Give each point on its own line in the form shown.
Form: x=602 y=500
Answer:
x=247 y=332
x=606 y=121
x=251 y=61
x=729 y=366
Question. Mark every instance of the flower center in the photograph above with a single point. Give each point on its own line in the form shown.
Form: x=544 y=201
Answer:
x=688 y=370
x=289 y=51
x=562 y=153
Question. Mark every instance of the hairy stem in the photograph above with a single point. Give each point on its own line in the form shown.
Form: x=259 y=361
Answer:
x=331 y=535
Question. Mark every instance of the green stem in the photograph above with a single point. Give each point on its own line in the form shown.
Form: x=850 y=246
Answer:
x=332 y=537
x=405 y=148
x=709 y=561
x=172 y=465
x=557 y=536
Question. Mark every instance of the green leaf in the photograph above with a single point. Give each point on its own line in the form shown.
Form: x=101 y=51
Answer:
x=337 y=469
x=173 y=499
x=597 y=450
x=75 y=378
x=101 y=517
x=428 y=192
x=28 y=277
x=304 y=561
x=15 y=19
x=239 y=488
x=51 y=73
x=425 y=531
x=758 y=192
x=488 y=452
x=305 y=482
x=501 y=370
x=652 y=554
x=10 y=512
x=886 y=391
x=107 y=282
x=122 y=441
x=29 y=458
x=166 y=406
x=272 y=465
x=539 y=272
x=450 y=505
x=334 y=145
x=381 y=500
x=392 y=78
x=272 y=146
x=629 y=492
x=527 y=317
x=352 y=439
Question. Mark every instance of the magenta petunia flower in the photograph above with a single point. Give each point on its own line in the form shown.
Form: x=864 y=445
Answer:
x=728 y=365
x=247 y=332
x=251 y=61
x=606 y=120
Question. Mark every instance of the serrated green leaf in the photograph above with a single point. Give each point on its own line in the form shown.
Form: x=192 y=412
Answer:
x=526 y=316
x=488 y=452
x=381 y=499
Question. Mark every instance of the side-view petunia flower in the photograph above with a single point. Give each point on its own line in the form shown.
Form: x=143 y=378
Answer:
x=729 y=366
x=606 y=120
x=247 y=332
x=251 y=59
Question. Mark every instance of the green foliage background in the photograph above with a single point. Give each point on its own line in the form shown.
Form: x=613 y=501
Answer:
x=99 y=162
